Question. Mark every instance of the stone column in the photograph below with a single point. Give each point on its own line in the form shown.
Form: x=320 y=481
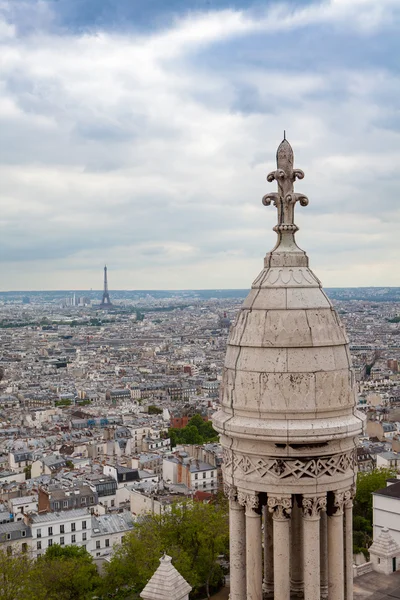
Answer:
x=253 y=545
x=268 y=583
x=335 y=547
x=323 y=552
x=296 y=572
x=348 y=543
x=237 y=546
x=281 y=508
x=312 y=505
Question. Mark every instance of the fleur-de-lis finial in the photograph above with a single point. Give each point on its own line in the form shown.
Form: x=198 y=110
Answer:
x=285 y=199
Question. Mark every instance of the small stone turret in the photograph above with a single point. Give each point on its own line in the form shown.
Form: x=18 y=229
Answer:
x=385 y=553
x=166 y=583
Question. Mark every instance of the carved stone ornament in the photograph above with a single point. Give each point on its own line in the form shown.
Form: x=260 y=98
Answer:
x=338 y=503
x=348 y=496
x=248 y=499
x=280 y=506
x=282 y=468
x=230 y=491
x=285 y=199
x=312 y=506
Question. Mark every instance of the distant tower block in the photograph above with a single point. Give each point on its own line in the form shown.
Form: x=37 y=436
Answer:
x=106 y=302
x=288 y=426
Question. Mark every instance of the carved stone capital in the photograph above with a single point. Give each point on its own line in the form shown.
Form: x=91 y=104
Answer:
x=248 y=499
x=280 y=506
x=230 y=491
x=348 y=496
x=312 y=506
x=338 y=503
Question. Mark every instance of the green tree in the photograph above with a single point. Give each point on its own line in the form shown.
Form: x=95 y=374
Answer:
x=194 y=534
x=154 y=410
x=63 y=573
x=197 y=431
x=367 y=483
x=14 y=575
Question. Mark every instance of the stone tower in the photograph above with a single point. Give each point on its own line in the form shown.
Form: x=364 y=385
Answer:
x=288 y=426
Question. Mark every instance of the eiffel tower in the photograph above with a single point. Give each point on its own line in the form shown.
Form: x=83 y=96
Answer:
x=105 y=302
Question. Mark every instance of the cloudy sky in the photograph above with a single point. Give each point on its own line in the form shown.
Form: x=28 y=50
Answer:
x=139 y=133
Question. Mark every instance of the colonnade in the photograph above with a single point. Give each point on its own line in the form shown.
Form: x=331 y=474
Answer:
x=285 y=546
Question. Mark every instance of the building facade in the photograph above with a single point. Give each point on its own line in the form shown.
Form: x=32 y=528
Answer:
x=288 y=426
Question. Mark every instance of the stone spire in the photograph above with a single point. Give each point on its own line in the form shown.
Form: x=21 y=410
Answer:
x=288 y=425
x=166 y=583
x=285 y=200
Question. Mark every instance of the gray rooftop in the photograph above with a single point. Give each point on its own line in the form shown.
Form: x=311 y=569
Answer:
x=60 y=516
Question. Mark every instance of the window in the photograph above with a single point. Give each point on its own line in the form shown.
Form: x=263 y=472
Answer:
x=50 y=543
x=73 y=539
x=112 y=502
x=62 y=528
x=107 y=543
x=83 y=524
x=56 y=505
x=91 y=499
x=73 y=527
x=9 y=536
x=38 y=545
x=23 y=533
x=212 y=473
x=84 y=538
x=196 y=476
x=61 y=541
x=50 y=531
x=39 y=533
x=97 y=544
x=65 y=504
x=83 y=500
x=204 y=475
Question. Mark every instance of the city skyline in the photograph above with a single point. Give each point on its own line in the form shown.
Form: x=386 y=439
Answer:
x=141 y=137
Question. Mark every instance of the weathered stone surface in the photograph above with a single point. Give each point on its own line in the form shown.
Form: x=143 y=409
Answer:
x=288 y=423
x=166 y=583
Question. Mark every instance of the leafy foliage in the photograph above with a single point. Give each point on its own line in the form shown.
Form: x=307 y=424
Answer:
x=63 y=573
x=197 y=431
x=13 y=575
x=367 y=483
x=154 y=410
x=194 y=534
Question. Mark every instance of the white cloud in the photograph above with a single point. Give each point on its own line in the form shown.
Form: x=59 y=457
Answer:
x=121 y=148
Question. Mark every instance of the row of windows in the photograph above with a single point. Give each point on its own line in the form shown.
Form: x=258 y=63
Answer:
x=62 y=529
x=196 y=485
x=23 y=534
x=196 y=476
x=65 y=503
x=61 y=542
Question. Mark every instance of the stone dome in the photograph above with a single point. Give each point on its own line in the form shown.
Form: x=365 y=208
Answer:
x=288 y=391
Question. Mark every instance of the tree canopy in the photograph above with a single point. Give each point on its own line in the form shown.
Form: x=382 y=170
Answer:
x=194 y=534
x=367 y=483
x=197 y=431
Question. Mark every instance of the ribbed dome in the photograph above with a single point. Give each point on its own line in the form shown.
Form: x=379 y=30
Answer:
x=288 y=389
